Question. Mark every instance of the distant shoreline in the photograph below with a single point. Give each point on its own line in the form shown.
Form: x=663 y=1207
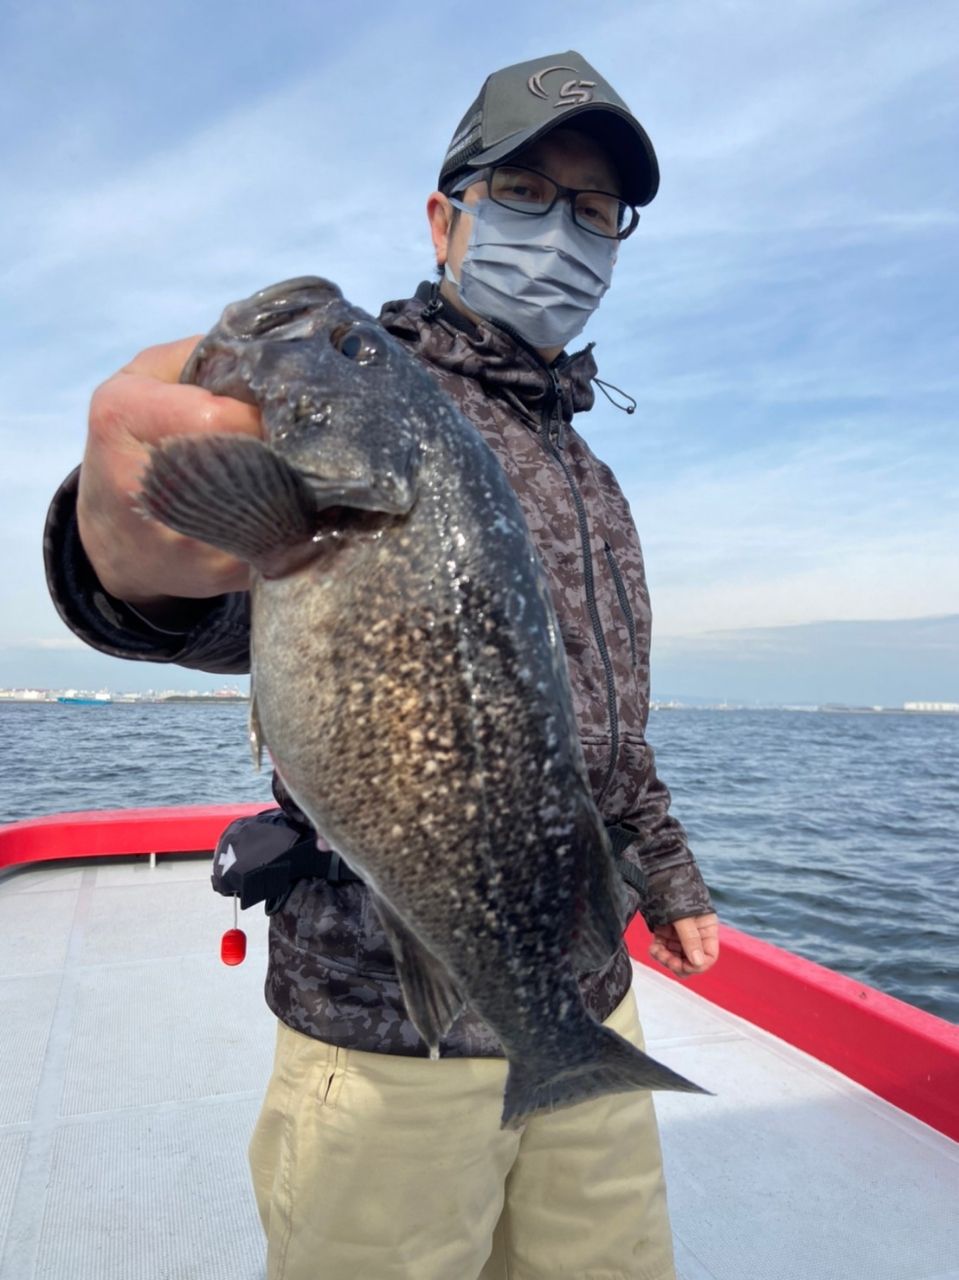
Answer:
x=824 y=709
x=232 y=699
x=125 y=700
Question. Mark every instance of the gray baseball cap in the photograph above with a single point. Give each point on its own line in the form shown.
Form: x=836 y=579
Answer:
x=520 y=103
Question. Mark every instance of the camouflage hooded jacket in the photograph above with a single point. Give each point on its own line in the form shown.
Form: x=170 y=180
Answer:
x=331 y=973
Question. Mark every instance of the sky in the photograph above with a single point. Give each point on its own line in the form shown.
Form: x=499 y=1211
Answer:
x=785 y=315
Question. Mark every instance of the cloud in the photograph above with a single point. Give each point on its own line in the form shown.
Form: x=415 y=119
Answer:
x=875 y=662
x=839 y=526
x=783 y=315
x=810 y=113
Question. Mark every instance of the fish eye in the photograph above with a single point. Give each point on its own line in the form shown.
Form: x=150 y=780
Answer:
x=357 y=342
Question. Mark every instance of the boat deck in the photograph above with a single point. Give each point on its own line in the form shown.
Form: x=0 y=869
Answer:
x=132 y=1065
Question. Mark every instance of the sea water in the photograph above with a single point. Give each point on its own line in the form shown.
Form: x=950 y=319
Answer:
x=833 y=834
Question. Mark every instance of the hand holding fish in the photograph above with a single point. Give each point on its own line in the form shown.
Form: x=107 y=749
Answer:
x=137 y=560
x=687 y=947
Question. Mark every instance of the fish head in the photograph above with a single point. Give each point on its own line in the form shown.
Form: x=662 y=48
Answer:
x=341 y=399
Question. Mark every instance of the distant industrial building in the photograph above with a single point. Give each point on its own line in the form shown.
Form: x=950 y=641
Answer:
x=930 y=706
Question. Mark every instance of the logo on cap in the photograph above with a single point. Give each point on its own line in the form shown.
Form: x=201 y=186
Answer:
x=572 y=93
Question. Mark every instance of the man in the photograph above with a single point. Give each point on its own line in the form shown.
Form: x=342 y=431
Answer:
x=369 y=1161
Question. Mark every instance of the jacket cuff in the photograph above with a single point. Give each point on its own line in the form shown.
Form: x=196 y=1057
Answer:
x=673 y=893
x=114 y=627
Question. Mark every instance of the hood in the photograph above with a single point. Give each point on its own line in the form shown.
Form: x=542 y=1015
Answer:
x=503 y=365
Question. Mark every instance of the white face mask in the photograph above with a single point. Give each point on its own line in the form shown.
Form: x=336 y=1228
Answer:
x=543 y=276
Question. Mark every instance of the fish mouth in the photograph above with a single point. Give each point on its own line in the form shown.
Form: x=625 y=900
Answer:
x=315 y=288
x=284 y=312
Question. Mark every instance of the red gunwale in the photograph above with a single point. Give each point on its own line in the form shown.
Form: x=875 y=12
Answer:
x=108 y=833
x=901 y=1053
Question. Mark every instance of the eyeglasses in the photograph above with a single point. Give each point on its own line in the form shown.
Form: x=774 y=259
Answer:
x=526 y=191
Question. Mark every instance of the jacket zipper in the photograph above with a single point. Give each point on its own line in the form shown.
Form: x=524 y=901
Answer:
x=552 y=424
x=623 y=598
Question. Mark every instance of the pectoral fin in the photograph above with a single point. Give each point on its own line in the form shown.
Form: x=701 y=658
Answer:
x=239 y=494
x=432 y=1000
x=233 y=492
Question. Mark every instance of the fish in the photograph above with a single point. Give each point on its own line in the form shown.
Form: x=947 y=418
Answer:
x=409 y=680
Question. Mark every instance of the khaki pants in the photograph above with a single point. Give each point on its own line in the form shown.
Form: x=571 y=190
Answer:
x=370 y=1166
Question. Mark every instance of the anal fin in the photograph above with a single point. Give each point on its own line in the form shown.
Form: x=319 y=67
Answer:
x=601 y=906
x=432 y=1000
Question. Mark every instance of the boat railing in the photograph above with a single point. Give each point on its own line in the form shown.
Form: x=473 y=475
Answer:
x=899 y=1052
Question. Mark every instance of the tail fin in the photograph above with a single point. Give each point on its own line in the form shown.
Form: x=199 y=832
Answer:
x=615 y=1067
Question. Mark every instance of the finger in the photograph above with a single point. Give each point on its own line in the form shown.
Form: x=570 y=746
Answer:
x=131 y=412
x=689 y=936
x=164 y=361
x=146 y=401
x=667 y=936
x=674 y=963
x=709 y=935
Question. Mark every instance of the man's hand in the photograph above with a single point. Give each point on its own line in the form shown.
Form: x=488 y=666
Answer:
x=136 y=559
x=687 y=946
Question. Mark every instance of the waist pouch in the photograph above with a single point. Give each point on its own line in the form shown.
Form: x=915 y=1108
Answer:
x=259 y=859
